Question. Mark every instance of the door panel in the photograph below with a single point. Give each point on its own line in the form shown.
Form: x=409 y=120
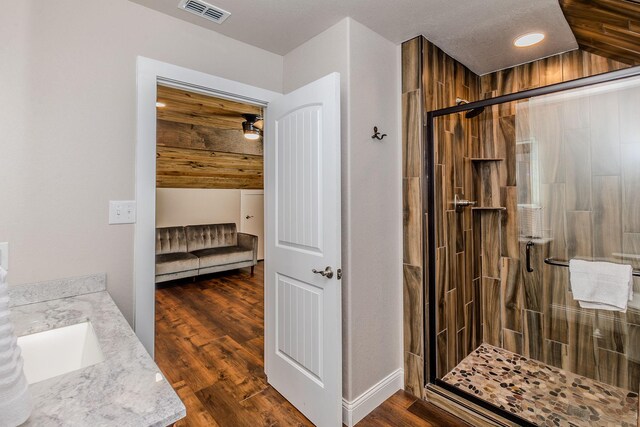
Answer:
x=303 y=329
x=298 y=338
x=298 y=143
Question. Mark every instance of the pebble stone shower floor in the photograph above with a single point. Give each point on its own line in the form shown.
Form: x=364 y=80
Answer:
x=542 y=394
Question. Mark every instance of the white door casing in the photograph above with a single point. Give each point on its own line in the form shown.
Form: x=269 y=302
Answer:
x=149 y=73
x=252 y=216
x=303 y=320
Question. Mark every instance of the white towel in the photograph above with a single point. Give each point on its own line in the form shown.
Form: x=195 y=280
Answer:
x=15 y=400
x=601 y=285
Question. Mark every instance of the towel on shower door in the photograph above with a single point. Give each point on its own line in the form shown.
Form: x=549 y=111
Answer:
x=601 y=285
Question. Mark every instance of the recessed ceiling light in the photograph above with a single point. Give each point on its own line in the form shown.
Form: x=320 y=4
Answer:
x=160 y=104
x=528 y=39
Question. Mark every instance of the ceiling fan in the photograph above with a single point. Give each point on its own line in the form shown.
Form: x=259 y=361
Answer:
x=251 y=131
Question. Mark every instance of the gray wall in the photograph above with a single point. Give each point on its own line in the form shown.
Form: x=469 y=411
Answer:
x=68 y=138
x=68 y=123
x=371 y=194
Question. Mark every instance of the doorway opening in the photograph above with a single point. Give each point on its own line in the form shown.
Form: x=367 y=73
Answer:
x=302 y=233
x=209 y=297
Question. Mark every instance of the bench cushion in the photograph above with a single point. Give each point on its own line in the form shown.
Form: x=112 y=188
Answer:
x=176 y=262
x=221 y=256
x=170 y=240
x=209 y=236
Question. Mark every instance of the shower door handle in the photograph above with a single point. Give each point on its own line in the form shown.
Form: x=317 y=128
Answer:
x=528 y=256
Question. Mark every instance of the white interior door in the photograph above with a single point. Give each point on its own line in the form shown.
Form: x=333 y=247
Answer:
x=252 y=216
x=303 y=319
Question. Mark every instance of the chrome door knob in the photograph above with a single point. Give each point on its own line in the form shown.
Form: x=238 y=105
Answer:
x=328 y=273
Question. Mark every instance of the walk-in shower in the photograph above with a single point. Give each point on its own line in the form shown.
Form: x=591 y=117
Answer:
x=518 y=186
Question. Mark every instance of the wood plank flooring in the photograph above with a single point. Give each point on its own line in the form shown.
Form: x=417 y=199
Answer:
x=404 y=409
x=209 y=345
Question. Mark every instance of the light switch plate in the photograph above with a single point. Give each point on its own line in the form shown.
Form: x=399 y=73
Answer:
x=122 y=211
x=4 y=255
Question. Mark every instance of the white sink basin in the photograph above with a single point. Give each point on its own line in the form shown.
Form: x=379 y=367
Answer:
x=59 y=351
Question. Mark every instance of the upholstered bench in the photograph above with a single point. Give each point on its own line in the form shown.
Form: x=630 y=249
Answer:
x=201 y=249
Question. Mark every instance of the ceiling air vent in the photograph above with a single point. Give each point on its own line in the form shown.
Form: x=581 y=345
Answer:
x=205 y=10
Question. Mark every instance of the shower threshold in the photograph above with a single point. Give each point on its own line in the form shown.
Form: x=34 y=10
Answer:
x=542 y=394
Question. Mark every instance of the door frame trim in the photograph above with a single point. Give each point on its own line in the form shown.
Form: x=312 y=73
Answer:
x=149 y=73
x=253 y=192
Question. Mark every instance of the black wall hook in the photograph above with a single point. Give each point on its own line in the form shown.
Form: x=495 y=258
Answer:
x=376 y=134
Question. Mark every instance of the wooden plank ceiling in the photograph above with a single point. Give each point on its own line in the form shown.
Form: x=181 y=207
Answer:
x=609 y=28
x=192 y=108
x=200 y=143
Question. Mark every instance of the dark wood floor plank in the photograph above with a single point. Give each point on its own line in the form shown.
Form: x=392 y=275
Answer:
x=403 y=409
x=255 y=347
x=178 y=358
x=435 y=415
x=197 y=414
x=275 y=410
x=224 y=317
x=220 y=380
x=402 y=399
x=233 y=364
x=225 y=408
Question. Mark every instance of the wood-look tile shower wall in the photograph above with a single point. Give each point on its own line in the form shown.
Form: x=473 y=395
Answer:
x=432 y=80
x=476 y=251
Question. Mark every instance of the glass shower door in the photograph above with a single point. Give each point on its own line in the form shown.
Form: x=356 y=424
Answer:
x=554 y=178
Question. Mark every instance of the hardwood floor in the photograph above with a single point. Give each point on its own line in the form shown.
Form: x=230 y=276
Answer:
x=209 y=345
x=406 y=410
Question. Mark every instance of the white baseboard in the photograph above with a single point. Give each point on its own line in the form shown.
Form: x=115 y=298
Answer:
x=354 y=411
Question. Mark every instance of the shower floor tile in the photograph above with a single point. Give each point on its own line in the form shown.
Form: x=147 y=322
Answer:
x=542 y=394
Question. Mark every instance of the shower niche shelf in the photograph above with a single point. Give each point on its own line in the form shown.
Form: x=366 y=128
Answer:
x=486 y=181
x=489 y=208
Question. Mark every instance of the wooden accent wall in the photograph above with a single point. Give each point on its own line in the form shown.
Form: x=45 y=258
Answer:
x=610 y=28
x=192 y=168
x=481 y=293
x=182 y=135
x=200 y=143
x=432 y=80
x=195 y=156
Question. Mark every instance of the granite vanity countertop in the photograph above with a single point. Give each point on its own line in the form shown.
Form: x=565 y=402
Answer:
x=126 y=389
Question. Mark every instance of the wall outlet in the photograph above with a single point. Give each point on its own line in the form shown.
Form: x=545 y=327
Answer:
x=4 y=255
x=122 y=211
